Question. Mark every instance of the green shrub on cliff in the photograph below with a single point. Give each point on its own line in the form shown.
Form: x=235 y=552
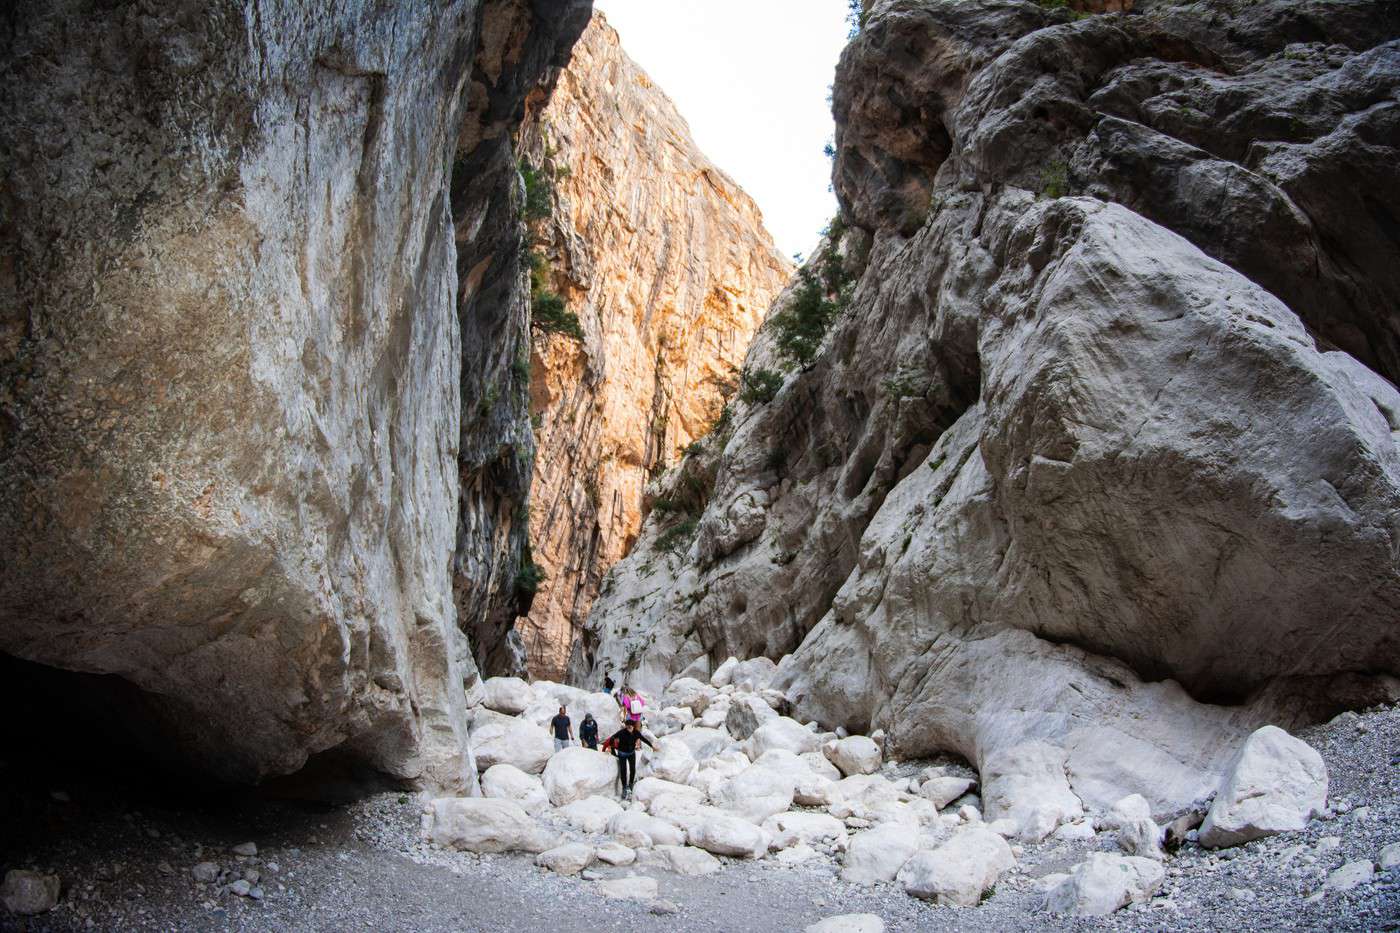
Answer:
x=761 y=386
x=548 y=312
x=801 y=326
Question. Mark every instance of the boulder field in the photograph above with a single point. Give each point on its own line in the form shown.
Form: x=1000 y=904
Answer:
x=707 y=798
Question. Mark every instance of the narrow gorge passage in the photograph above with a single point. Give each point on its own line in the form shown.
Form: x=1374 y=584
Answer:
x=394 y=397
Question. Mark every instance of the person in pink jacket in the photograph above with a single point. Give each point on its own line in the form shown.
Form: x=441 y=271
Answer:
x=632 y=705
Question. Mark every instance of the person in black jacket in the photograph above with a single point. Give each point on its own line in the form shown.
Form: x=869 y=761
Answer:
x=588 y=731
x=624 y=743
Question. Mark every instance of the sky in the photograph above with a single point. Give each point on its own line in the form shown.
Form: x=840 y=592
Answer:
x=751 y=77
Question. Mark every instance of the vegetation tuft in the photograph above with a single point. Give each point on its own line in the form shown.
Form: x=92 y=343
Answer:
x=1054 y=180
x=761 y=387
x=678 y=537
x=548 y=312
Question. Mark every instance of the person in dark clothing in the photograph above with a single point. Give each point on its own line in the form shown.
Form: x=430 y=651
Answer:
x=608 y=683
x=588 y=732
x=563 y=729
x=624 y=743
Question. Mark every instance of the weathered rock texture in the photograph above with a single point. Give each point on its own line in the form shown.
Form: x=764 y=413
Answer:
x=667 y=264
x=234 y=357
x=1096 y=445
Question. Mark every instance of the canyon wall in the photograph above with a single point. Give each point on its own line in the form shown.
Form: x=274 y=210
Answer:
x=667 y=265
x=1097 y=467
x=235 y=356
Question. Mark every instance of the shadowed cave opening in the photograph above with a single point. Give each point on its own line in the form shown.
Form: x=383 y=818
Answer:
x=101 y=738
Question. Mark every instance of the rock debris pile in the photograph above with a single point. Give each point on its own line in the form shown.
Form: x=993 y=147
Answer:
x=733 y=779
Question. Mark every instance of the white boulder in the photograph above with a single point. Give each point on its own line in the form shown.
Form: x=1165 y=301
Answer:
x=1141 y=837
x=1127 y=810
x=756 y=793
x=754 y=674
x=654 y=831
x=809 y=789
x=508 y=782
x=26 y=892
x=746 y=714
x=818 y=765
x=482 y=824
x=681 y=860
x=796 y=855
x=590 y=814
x=878 y=854
x=729 y=835
x=649 y=788
x=688 y=692
x=670 y=720
x=783 y=733
x=789 y=829
x=1103 y=883
x=500 y=740
x=864 y=789
x=673 y=761
x=615 y=853
x=509 y=695
x=568 y=859
x=959 y=871
x=724 y=673
x=856 y=754
x=716 y=713
x=1026 y=783
x=1274 y=784
x=941 y=791
x=576 y=773
x=704 y=743
x=680 y=810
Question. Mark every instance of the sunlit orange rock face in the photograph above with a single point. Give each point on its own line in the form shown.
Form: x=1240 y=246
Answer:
x=667 y=264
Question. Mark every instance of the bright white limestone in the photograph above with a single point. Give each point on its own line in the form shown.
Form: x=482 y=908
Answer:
x=568 y=859
x=480 y=824
x=856 y=754
x=1103 y=883
x=941 y=791
x=682 y=860
x=590 y=814
x=653 y=830
x=1274 y=784
x=510 y=783
x=756 y=793
x=783 y=733
x=878 y=854
x=576 y=773
x=508 y=695
x=959 y=871
x=729 y=835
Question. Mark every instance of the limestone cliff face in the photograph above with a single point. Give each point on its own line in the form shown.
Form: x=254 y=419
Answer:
x=236 y=347
x=1098 y=468
x=667 y=265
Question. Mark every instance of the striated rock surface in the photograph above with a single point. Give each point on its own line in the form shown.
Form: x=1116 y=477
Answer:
x=236 y=343
x=667 y=264
x=1104 y=439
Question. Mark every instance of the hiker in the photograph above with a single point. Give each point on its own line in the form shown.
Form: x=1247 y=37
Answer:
x=631 y=702
x=608 y=683
x=624 y=746
x=563 y=729
x=588 y=732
